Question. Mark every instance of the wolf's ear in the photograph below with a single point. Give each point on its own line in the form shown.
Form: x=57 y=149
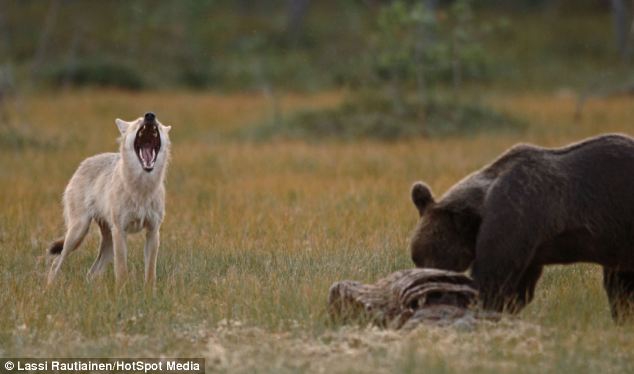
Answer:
x=421 y=196
x=167 y=129
x=122 y=125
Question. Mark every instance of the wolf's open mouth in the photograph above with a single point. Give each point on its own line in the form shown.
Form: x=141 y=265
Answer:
x=147 y=145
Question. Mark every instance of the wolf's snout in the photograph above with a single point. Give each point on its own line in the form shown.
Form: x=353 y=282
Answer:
x=147 y=143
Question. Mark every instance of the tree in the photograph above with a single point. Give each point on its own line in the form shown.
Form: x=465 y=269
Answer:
x=621 y=29
x=297 y=10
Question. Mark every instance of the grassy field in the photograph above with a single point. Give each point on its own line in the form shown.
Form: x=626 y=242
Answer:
x=255 y=234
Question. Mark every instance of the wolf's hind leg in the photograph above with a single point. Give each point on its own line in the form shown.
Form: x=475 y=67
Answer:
x=105 y=255
x=77 y=230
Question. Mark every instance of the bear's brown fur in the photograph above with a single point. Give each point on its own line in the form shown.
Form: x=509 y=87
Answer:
x=533 y=207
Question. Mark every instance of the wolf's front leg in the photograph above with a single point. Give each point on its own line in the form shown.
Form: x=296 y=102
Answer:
x=120 y=255
x=151 y=253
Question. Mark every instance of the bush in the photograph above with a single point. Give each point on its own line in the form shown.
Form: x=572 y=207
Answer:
x=17 y=138
x=96 y=72
x=374 y=116
x=197 y=78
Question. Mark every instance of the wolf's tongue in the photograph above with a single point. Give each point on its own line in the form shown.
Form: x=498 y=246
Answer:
x=147 y=156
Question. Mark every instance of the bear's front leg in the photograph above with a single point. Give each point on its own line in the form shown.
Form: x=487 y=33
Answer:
x=525 y=290
x=498 y=287
x=619 y=285
x=503 y=268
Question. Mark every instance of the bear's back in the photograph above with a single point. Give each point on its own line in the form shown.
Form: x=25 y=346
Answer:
x=603 y=163
x=599 y=152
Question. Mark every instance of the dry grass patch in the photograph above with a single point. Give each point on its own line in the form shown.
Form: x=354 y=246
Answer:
x=257 y=232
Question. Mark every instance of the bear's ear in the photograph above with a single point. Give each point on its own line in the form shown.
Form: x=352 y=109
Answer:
x=421 y=196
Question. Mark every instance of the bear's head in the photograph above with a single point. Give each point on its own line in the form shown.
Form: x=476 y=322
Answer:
x=446 y=232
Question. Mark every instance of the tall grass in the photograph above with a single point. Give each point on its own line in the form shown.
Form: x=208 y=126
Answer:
x=255 y=233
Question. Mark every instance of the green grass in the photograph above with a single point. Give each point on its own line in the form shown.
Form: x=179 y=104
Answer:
x=255 y=234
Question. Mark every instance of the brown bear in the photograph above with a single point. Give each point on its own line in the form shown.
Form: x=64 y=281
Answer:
x=532 y=207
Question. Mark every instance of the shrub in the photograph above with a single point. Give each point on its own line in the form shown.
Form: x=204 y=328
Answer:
x=96 y=72
x=373 y=115
x=19 y=138
x=196 y=77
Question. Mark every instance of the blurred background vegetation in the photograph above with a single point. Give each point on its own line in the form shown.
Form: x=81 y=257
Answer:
x=409 y=67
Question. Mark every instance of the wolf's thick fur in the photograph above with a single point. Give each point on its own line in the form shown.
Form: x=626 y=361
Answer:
x=124 y=193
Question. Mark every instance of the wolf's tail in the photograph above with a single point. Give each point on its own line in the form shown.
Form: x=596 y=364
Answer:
x=56 y=247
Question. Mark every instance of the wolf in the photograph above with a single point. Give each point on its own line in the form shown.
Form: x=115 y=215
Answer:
x=123 y=193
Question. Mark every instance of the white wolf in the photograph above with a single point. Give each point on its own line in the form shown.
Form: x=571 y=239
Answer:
x=124 y=193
